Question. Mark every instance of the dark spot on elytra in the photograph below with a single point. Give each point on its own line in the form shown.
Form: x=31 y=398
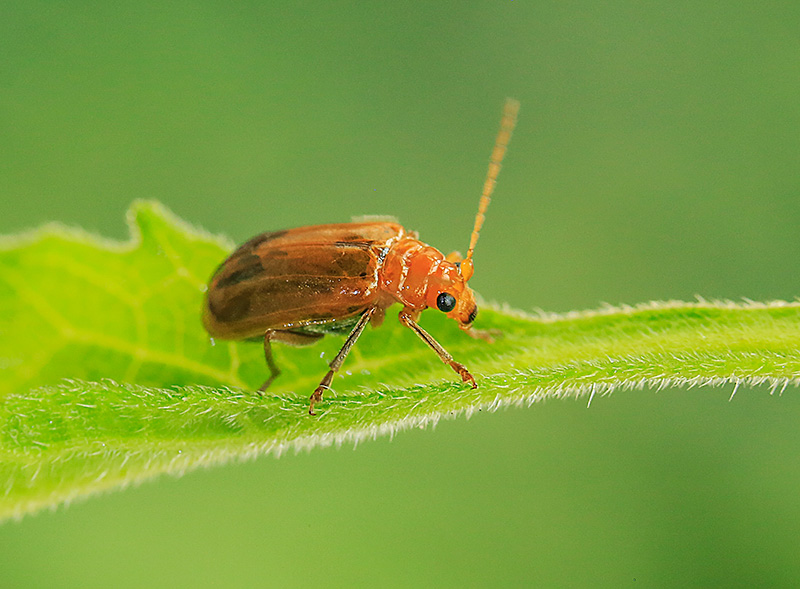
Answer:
x=353 y=263
x=245 y=267
x=231 y=309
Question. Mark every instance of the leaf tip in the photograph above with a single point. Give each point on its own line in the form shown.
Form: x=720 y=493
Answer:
x=148 y=217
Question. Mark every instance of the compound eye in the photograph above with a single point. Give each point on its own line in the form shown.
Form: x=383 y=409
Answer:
x=446 y=302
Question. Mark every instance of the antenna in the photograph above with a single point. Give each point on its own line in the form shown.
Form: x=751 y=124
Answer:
x=507 y=123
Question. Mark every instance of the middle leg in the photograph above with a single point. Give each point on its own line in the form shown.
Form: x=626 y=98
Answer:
x=316 y=397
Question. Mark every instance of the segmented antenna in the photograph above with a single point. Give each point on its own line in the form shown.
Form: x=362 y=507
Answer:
x=509 y=120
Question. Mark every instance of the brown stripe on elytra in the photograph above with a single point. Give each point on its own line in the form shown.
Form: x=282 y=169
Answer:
x=356 y=243
x=239 y=269
x=302 y=296
x=277 y=263
x=318 y=261
x=295 y=287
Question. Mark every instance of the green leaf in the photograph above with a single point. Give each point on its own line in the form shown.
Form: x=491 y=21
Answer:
x=108 y=377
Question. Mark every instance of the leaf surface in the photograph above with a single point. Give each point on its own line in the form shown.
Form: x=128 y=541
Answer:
x=108 y=377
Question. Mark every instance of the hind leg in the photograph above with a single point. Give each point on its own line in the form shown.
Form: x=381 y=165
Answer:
x=286 y=337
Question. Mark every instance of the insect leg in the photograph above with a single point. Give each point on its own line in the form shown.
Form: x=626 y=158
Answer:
x=407 y=319
x=274 y=371
x=316 y=397
x=487 y=335
x=291 y=338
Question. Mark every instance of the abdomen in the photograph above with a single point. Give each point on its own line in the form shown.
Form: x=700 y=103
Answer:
x=290 y=279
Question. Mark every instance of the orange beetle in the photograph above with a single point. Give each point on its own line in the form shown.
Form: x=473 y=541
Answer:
x=296 y=286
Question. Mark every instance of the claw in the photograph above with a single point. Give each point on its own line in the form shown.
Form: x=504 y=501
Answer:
x=316 y=397
x=467 y=377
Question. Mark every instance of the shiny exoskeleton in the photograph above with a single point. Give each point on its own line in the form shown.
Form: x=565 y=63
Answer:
x=296 y=286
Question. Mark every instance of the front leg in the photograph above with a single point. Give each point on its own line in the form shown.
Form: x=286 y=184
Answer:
x=487 y=335
x=408 y=318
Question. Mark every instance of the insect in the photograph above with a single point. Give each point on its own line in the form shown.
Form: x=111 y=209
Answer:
x=297 y=285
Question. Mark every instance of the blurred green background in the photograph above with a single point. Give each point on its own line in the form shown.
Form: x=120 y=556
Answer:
x=656 y=157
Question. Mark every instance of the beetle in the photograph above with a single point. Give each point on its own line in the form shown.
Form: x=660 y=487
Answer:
x=297 y=285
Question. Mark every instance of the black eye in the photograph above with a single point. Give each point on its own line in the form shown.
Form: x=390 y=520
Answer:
x=446 y=302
